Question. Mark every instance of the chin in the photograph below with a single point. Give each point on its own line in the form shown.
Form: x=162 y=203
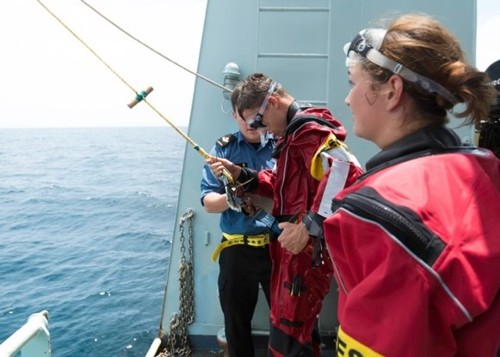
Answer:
x=359 y=132
x=253 y=134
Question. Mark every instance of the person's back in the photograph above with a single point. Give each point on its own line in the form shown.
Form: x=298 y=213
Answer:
x=293 y=187
x=450 y=233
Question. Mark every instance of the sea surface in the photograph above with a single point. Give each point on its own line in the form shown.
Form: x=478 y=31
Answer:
x=86 y=222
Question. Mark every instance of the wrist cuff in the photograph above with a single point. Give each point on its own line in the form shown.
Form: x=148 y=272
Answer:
x=249 y=178
x=314 y=224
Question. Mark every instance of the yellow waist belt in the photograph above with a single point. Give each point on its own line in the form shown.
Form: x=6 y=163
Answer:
x=259 y=240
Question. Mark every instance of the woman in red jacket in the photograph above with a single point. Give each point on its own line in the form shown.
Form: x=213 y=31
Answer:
x=415 y=242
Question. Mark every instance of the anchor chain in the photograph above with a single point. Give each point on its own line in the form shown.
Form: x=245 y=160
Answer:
x=177 y=343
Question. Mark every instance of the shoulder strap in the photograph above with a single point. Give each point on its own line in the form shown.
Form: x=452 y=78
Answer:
x=295 y=124
x=225 y=140
x=305 y=118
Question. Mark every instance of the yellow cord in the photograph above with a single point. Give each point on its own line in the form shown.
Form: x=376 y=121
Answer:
x=152 y=49
x=202 y=152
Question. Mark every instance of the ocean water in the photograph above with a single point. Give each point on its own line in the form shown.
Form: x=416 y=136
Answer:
x=86 y=221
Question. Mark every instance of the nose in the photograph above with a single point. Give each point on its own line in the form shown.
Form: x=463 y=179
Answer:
x=347 y=99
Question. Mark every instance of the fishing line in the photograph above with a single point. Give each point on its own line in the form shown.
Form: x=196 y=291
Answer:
x=140 y=96
x=142 y=43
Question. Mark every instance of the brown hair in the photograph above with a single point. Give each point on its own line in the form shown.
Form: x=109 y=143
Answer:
x=251 y=92
x=423 y=45
x=234 y=96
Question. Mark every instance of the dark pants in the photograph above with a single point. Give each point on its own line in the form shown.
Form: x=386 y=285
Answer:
x=242 y=269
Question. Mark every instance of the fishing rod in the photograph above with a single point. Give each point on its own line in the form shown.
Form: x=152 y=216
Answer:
x=228 y=179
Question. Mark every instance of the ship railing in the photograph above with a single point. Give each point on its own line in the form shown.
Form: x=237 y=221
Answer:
x=153 y=349
x=32 y=339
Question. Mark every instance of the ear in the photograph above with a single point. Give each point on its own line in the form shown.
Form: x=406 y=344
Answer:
x=273 y=101
x=394 y=91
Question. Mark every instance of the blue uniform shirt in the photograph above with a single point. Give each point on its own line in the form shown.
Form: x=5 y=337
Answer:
x=242 y=153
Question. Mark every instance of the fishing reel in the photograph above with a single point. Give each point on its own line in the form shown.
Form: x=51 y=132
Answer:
x=234 y=193
x=251 y=204
x=237 y=199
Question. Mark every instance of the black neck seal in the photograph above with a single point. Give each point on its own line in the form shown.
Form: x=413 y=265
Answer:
x=292 y=111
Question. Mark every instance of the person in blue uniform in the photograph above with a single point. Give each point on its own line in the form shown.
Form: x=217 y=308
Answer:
x=243 y=253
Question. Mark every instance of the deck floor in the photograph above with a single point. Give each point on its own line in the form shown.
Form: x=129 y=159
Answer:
x=261 y=353
x=221 y=354
x=324 y=353
x=260 y=345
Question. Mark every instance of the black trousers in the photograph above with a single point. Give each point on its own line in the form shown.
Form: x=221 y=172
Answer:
x=242 y=269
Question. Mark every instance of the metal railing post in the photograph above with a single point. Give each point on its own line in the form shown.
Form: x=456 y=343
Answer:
x=32 y=339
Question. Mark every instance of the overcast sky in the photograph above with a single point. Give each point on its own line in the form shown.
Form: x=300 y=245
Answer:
x=49 y=79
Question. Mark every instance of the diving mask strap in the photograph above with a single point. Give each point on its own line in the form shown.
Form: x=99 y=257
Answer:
x=364 y=48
